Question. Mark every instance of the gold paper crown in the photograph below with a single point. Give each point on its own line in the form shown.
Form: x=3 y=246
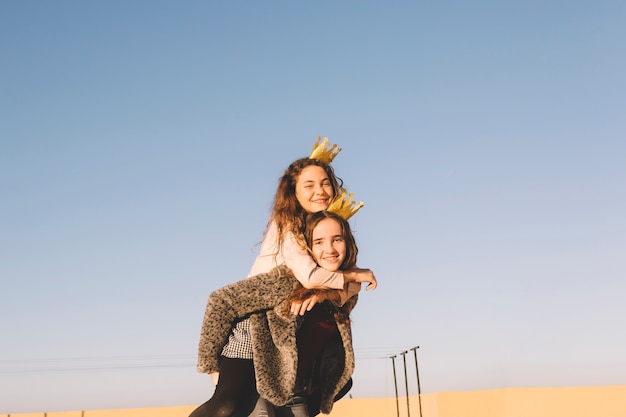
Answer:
x=323 y=152
x=343 y=205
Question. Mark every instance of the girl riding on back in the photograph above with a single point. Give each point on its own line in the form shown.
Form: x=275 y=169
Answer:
x=307 y=186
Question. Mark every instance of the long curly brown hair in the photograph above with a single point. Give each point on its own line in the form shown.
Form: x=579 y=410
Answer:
x=287 y=212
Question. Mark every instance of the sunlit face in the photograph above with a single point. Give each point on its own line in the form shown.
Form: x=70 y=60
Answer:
x=314 y=189
x=328 y=244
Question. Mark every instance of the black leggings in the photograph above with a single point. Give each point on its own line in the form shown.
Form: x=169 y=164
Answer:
x=235 y=391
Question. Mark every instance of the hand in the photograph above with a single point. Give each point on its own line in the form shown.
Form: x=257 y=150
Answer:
x=302 y=306
x=361 y=275
x=215 y=376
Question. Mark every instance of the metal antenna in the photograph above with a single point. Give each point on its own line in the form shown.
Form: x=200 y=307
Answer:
x=395 y=382
x=419 y=389
x=406 y=383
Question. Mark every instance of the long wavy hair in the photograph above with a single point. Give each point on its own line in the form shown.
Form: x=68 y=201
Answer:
x=287 y=212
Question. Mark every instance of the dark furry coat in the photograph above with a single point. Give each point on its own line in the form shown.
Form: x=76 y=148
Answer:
x=264 y=298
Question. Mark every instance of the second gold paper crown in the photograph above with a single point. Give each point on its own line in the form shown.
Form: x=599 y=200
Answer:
x=343 y=205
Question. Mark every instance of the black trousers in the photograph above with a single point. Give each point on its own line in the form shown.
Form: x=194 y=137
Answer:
x=235 y=390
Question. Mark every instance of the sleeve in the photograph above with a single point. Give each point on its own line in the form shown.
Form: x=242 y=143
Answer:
x=305 y=269
x=350 y=289
x=348 y=306
x=233 y=302
x=337 y=297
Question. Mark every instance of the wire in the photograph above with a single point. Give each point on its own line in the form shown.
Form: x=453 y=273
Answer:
x=37 y=366
x=42 y=366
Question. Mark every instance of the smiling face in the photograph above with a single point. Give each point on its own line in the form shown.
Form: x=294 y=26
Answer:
x=328 y=244
x=314 y=189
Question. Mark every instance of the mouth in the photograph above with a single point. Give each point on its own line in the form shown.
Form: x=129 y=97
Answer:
x=322 y=201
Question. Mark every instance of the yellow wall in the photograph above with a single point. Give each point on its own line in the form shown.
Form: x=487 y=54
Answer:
x=536 y=402
x=510 y=402
x=129 y=412
x=607 y=401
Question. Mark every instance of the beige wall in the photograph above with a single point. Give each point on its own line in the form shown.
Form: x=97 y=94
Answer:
x=183 y=411
x=510 y=402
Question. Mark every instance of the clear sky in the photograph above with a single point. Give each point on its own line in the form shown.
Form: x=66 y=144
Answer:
x=142 y=141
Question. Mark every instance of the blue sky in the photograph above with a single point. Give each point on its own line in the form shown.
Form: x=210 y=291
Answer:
x=141 y=143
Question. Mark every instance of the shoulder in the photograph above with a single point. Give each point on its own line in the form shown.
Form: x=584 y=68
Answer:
x=271 y=232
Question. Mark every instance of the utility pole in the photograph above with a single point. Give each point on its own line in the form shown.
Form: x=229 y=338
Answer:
x=419 y=389
x=395 y=382
x=406 y=383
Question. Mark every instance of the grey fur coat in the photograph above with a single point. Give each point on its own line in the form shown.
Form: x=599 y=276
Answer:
x=264 y=299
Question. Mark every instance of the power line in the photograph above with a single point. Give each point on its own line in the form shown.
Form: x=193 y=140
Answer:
x=42 y=366
x=38 y=366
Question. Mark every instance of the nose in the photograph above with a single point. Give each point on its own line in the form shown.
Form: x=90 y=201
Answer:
x=329 y=247
x=319 y=190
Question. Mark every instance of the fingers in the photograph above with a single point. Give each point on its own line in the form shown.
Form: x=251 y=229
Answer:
x=296 y=307
x=306 y=306
x=372 y=285
x=300 y=308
